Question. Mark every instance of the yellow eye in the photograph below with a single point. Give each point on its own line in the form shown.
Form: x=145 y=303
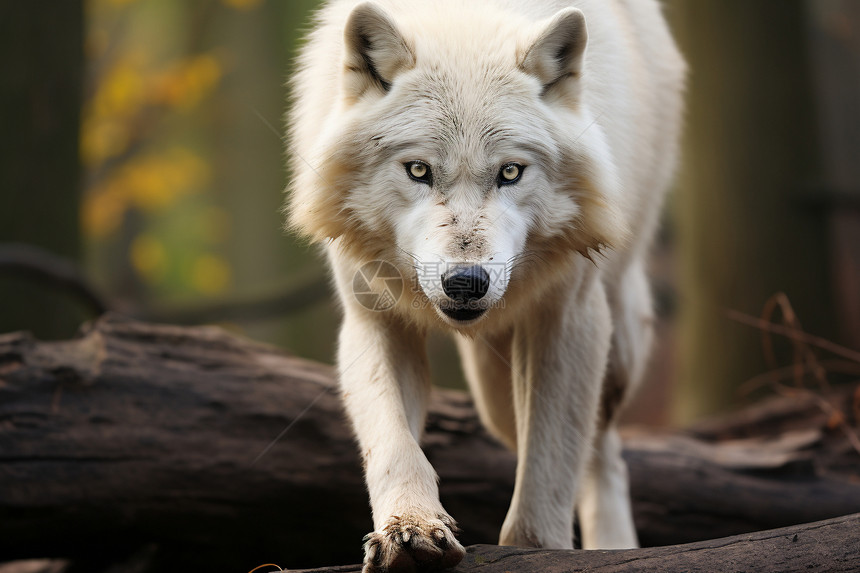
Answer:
x=510 y=173
x=418 y=171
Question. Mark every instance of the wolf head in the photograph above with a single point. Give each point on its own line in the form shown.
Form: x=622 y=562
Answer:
x=462 y=148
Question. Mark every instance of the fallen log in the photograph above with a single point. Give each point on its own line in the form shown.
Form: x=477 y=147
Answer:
x=223 y=454
x=830 y=546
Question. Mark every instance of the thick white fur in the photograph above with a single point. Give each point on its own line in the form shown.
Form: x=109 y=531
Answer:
x=587 y=94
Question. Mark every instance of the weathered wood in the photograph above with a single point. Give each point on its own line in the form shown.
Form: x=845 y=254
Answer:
x=827 y=546
x=135 y=435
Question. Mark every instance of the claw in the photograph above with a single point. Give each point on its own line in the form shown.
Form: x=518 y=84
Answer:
x=412 y=545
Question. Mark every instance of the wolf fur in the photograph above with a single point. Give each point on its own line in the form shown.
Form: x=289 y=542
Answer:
x=584 y=98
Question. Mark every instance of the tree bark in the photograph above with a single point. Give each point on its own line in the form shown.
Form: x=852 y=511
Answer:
x=828 y=546
x=225 y=454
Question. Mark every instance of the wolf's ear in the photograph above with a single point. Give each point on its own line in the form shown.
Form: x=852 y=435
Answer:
x=556 y=54
x=375 y=50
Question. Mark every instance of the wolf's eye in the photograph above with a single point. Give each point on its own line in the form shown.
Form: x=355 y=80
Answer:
x=419 y=171
x=510 y=173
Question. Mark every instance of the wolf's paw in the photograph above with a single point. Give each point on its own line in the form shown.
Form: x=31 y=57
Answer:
x=412 y=544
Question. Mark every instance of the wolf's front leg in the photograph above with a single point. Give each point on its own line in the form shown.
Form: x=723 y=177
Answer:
x=384 y=378
x=558 y=362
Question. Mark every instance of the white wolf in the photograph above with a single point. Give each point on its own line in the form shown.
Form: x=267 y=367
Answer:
x=487 y=150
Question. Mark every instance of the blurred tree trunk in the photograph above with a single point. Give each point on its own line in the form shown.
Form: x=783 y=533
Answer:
x=40 y=102
x=745 y=231
x=248 y=133
x=247 y=151
x=835 y=34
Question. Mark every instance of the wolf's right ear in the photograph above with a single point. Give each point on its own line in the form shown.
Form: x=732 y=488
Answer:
x=375 y=50
x=556 y=54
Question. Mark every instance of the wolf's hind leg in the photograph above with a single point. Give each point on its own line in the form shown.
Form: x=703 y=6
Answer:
x=604 y=510
x=605 y=515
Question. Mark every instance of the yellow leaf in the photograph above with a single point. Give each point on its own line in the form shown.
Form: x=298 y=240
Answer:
x=122 y=91
x=210 y=274
x=148 y=258
x=186 y=83
x=154 y=183
x=101 y=214
x=101 y=140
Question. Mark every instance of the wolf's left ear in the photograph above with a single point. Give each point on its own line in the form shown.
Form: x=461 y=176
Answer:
x=556 y=55
x=375 y=50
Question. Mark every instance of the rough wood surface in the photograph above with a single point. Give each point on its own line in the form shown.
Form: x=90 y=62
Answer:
x=201 y=450
x=828 y=546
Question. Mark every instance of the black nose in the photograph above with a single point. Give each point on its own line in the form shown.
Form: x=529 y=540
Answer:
x=466 y=284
